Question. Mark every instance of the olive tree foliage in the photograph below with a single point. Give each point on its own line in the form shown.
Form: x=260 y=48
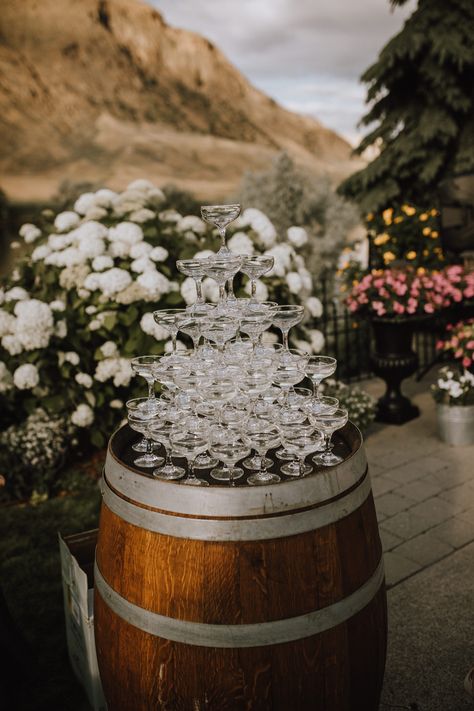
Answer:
x=290 y=196
x=420 y=94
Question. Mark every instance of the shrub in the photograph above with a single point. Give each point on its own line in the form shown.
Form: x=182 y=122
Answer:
x=360 y=405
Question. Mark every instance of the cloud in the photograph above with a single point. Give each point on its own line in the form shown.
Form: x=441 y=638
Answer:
x=305 y=53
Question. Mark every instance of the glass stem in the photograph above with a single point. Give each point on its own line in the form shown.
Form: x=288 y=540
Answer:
x=222 y=235
x=191 y=469
x=230 y=290
x=327 y=443
x=253 y=289
x=151 y=389
x=168 y=462
x=301 y=463
x=173 y=339
x=196 y=340
x=285 y=339
x=198 y=282
x=222 y=294
x=149 y=446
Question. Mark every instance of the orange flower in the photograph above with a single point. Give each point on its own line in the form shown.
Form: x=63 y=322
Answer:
x=381 y=239
x=434 y=234
x=387 y=216
x=423 y=217
x=388 y=257
x=411 y=254
x=426 y=231
x=408 y=210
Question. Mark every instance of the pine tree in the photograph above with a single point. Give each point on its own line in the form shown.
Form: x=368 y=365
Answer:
x=421 y=98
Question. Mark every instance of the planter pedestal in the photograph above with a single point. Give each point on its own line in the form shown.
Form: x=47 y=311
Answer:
x=393 y=361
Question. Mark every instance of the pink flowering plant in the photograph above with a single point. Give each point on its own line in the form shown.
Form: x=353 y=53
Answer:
x=459 y=342
x=398 y=293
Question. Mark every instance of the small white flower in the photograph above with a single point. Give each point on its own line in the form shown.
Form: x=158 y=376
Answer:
x=262 y=291
x=191 y=223
x=15 y=245
x=169 y=216
x=7 y=323
x=57 y=305
x=94 y=325
x=142 y=215
x=306 y=279
x=108 y=349
x=297 y=236
x=204 y=254
x=95 y=213
x=102 y=262
x=188 y=291
x=29 y=232
x=114 y=280
x=92 y=281
x=12 y=345
x=143 y=264
x=26 y=376
x=83 y=293
x=92 y=247
x=116 y=404
x=90 y=310
x=17 y=293
x=260 y=223
x=83 y=379
x=158 y=254
x=60 y=330
x=314 y=306
x=294 y=281
x=141 y=249
x=151 y=328
x=121 y=250
x=155 y=283
x=240 y=243
x=210 y=290
x=127 y=232
x=105 y=197
x=141 y=185
x=65 y=221
x=72 y=357
x=84 y=203
x=317 y=340
x=83 y=416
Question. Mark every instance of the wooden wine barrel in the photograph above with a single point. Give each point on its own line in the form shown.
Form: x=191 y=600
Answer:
x=254 y=598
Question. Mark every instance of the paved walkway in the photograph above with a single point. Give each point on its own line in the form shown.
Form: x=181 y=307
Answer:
x=424 y=489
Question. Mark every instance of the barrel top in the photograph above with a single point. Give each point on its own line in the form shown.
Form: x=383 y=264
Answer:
x=325 y=483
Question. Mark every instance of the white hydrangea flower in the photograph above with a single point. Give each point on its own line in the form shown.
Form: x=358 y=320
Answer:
x=26 y=376
x=155 y=283
x=306 y=279
x=109 y=349
x=143 y=264
x=12 y=345
x=7 y=323
x=121 y=250
x=71 y=357
x=92 y=247
x=17 y=293
x=158 y=254
x=141 y=185
x=114 y=280
x=6 y=378
x=92 y=281
x=103 y=261
x=142 y=215
x=191 y=223
x=117 y=368
x=188 y=291
x=260 y=223
x=83 y=379
x=105 y=197
x=155 y=197
x=69 y=257
x=204 y=254
x=282 y=254
x=58 y=242
x=94 y=325
x=210 y=290
x=128 y=232
x=314 y=306
x=116 y=404
x=34 y=324
x=96 y=213
x=83 y=293
x=170 y=216
x=261 y=292
x=83 y=416
x=151 y=328
x=317 y=340
x=57 y=305
x=15 y=245
x=84 y=203
x=297 y=236
x=65 y=221
x=294 y=281
x=91 y=310
x=141 y=249
x=240 y=243
x=60 y=329
x=29 y=232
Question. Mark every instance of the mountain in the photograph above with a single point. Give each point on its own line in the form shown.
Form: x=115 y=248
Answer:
x=105 y=91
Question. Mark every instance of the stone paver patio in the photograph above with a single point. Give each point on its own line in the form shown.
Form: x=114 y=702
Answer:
x=423 y=488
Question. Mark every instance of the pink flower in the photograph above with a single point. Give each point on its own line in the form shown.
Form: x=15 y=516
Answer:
x=458 y=353
x=470 y=344
x=398 y=307
x=466 y=361
x=429 y=308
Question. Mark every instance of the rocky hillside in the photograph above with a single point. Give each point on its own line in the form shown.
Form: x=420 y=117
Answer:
x=105 y=91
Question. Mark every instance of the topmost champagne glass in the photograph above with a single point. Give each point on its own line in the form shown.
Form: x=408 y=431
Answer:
x=220 y=216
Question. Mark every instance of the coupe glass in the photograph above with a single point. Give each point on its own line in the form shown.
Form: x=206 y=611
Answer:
x=323 y=405
x=189 y=445
x=143 y=366
x=254 y=323
x=160 y=431
x=253 y=383
x=201 y=426
x=193 y=268
x=169 y=319
x=317 y=369
x=286 y=376
x=289 y=432
x=222 y=269
x=302 y=444
x=285 y=317
x=220 y=216
x=226 y=446
x=261 y=435
x=193 y=325
x=255 y=267
x=328 y=423
x=220 y=330
x=141 y=413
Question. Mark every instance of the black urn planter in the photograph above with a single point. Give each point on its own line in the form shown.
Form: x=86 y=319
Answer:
x=394 y=360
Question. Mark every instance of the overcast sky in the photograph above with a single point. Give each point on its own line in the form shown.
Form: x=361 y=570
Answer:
x=306 y=54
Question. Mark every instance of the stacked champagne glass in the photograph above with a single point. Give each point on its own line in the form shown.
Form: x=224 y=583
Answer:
x=231 y=399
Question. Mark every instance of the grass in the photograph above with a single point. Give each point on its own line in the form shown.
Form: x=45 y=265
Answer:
x=37 y=673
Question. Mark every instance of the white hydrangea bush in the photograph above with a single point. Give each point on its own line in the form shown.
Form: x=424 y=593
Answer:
x=79 y=305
